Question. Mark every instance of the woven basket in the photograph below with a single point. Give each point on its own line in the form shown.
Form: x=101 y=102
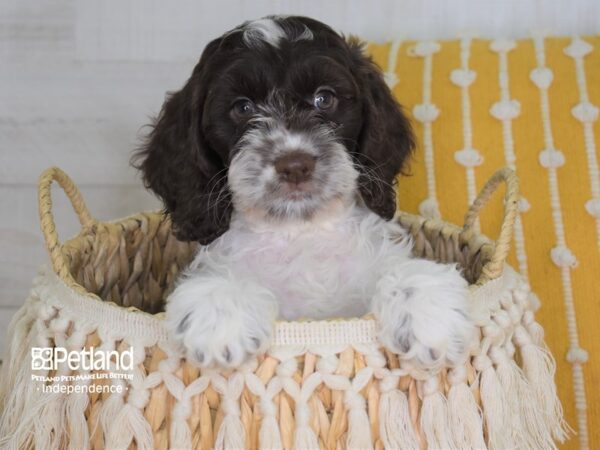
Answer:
x=322 y=384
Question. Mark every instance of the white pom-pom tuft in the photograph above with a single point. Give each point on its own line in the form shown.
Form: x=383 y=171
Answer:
x=534 y=301
x=502 y=45
x=468 y=157
x=593 y=207
x=563 y=257
x=523 y=205
x=391 y=79
x=542 y=77
x=551 y=158
x=463 y=77
x=429 y=209
x=585 y=112
x=425 y=112
x=424 y=48
x=505 y=109
x=577 y=355
x=578 y=48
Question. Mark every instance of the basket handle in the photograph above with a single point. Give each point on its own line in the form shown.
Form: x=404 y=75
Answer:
x=47 y=223
x=493 y=268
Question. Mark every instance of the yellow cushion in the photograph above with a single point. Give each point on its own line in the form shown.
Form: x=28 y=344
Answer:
x=571 y=67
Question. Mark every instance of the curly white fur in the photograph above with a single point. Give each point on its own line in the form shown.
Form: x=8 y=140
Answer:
x=343 y=265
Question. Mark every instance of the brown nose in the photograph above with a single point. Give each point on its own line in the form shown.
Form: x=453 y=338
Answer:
x=295 y=167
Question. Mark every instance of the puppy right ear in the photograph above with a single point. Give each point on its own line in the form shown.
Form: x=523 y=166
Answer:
x=180 y=167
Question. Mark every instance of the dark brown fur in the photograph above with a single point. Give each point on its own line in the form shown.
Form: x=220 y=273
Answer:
x=186 y=155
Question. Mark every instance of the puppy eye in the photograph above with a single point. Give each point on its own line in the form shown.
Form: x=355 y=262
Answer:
x=324 y=100
x=243 y=108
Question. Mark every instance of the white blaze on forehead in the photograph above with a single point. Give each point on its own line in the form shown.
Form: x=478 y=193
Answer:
x=269 y=31
x=263 y=30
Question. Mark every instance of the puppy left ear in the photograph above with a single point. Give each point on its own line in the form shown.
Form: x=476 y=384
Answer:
x=386 y=140
x=181 y=167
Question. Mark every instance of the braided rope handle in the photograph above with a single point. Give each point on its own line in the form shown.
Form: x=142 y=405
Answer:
x=47 y=223
x=491 y=270
x=494 y=267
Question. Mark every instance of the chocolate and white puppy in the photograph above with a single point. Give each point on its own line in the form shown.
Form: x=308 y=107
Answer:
x=280 y=154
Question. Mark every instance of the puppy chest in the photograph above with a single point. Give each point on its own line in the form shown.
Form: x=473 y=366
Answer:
x=321 y=275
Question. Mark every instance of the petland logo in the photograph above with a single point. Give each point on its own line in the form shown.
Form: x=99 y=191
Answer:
x=50 y=358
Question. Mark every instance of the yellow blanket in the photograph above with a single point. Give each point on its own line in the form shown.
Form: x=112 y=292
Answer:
x=478 y=105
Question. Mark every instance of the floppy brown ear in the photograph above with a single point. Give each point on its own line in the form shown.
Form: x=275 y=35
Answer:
x=386 y=140
x=181 y=168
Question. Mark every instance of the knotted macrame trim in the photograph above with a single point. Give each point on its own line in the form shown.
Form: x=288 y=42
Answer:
x=150 y=329
x=496 y=400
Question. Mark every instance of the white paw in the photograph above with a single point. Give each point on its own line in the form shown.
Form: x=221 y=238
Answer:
x=423 y=313
x=220 y=321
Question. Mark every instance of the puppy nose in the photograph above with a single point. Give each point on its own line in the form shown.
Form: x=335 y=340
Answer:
x=295 y=167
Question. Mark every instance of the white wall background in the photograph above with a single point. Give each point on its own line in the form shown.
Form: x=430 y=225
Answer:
x=79 y=78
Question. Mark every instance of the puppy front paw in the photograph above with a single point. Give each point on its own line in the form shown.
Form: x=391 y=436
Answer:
x=220 y=322
x=423 y=313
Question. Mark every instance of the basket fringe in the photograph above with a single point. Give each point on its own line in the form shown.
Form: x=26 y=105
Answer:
x=18 y=393
x=54 y=411
x=231 y=434
x=465 y=415
x=536 y=428
x=77 y=426
x=534 y=329
x=52 y=422
x=20 y=331
x=269 y=436
x=494 y=405
x=304 y=436
x=129 y=425
x=180 y=435
x=21 y=432
x=110 y=408
x=77 y=402
x=539 y=367
x=359 y=428
x=519 y=409
x=395 y=427
x=528 y=425
x=434 y=417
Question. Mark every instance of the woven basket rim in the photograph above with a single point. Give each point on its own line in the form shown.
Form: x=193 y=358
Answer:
x=149 y=328
x=97 y=226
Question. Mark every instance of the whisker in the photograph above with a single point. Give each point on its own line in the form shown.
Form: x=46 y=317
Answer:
x=212 y=205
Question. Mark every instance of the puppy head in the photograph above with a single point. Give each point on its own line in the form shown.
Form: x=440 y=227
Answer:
x=282 y=117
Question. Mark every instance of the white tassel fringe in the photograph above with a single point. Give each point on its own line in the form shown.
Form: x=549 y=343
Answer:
x=359 y=428
x=395 y=425
x=434 y=417
x=539 y=367
x=494 y=405
x=465 y=415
